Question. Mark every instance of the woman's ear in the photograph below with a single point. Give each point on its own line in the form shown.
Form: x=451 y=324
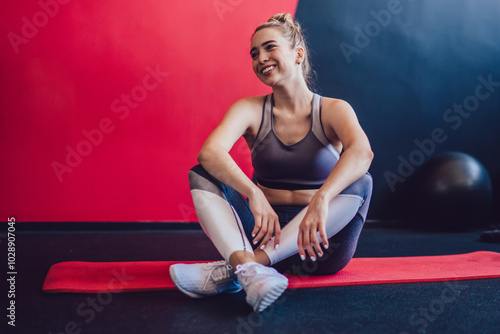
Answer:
x=300 y=54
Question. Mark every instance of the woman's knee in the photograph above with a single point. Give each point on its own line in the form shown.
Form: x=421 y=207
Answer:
x=342 y=248
x=199 y=178
x=362 y=187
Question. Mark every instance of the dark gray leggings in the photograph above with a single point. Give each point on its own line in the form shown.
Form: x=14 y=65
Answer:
x=335 y=258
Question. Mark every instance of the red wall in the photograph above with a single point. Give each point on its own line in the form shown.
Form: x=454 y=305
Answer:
x=132 y=87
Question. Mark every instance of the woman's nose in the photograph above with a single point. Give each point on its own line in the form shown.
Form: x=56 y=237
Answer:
x=263 y=57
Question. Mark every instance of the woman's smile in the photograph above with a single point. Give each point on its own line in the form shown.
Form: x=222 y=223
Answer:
x=266 y=70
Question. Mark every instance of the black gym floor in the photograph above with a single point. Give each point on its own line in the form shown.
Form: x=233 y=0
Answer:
x=385 y=308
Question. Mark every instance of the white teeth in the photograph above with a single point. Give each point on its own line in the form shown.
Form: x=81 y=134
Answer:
x=267 y=69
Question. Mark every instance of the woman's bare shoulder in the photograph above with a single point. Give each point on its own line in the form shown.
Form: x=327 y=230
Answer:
x=251 y=102
x=243 y=116
x=247 y=110
x=337 y=117
x=330 y=104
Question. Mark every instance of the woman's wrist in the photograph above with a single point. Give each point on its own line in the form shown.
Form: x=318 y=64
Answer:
x=253 y=191
x=319 y=199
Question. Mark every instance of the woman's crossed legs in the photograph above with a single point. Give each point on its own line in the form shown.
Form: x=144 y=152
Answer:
x=225 y=216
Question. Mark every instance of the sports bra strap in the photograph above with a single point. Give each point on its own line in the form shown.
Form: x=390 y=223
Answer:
x=265 y=124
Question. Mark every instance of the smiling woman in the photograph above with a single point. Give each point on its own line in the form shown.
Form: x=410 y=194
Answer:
x=304 y=195
x=292 y=32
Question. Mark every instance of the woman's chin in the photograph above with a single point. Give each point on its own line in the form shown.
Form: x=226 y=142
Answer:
x=267 y=81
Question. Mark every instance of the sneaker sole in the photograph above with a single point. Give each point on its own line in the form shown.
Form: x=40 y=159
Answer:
x=270 y=297
x=173 y=276
x=174 y=279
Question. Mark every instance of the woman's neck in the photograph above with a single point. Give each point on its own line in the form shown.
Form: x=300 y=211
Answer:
x=293 y=98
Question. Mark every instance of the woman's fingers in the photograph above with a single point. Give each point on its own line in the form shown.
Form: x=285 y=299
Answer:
x=268 y=234
x=304 y=244
x=266 y=221
x=256 y=228
x=324 y=237
x=300 y=243
x=277 y=233
x=308 y=241
x=315 y=243
x=262 y=231
x=308 y=245
x=266 y=231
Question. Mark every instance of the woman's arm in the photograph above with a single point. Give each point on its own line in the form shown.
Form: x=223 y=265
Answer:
x=215 y=158
x=357 y=157
x=340 y=122
x=214 y=154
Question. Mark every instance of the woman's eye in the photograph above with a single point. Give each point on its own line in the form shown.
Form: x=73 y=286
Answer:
x=269 y=47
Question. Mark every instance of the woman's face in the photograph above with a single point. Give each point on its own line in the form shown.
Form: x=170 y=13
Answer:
x=272 y=57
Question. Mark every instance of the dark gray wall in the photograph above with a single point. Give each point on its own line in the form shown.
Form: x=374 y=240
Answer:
x=408 y=76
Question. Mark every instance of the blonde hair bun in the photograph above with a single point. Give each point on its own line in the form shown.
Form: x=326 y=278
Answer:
x=285 y=18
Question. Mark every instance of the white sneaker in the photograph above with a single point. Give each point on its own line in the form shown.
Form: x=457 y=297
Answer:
x=262 y=284
x=199 y=280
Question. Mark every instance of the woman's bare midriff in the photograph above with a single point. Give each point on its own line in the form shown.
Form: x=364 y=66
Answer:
x=287 y=197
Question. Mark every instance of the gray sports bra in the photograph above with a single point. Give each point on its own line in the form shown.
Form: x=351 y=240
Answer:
x=303 y=165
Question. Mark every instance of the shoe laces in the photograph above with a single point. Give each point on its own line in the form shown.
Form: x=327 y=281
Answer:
x=248 y=272
x=219 y=271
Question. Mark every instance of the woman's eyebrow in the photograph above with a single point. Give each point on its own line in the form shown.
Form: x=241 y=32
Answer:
x=263 y=44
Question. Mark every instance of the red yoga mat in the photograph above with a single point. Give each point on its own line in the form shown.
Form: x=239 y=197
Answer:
x=94 y=277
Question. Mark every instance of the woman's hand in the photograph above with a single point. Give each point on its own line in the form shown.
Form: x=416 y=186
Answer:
x=266 y=220
x=314 y=221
